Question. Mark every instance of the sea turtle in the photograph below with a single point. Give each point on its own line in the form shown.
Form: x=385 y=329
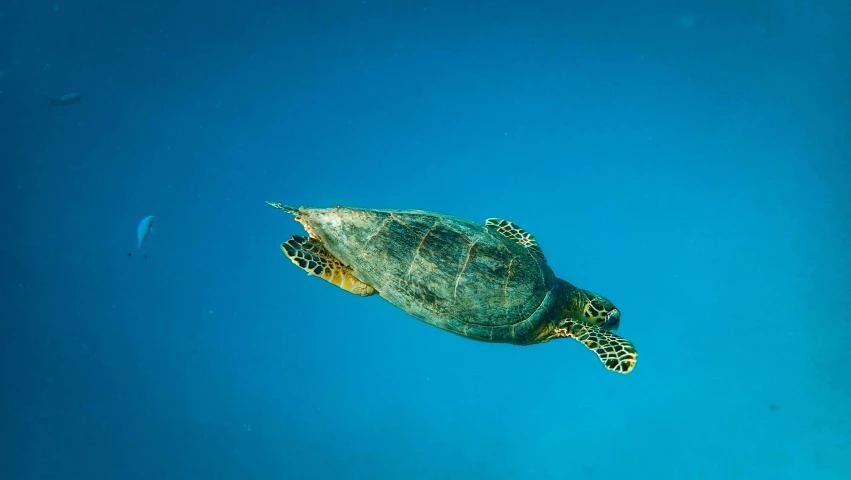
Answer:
x=487 y=282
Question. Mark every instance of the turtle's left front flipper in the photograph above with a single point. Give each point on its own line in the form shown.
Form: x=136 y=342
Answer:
x=617 y=353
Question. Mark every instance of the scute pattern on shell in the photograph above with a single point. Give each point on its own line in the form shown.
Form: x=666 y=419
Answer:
x=448 y=271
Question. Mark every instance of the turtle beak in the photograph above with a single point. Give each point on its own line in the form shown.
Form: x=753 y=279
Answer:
x=613 y=320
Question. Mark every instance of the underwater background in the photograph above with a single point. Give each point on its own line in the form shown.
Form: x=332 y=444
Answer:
x=688 y=160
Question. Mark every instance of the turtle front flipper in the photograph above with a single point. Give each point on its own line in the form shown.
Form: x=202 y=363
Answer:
x=517 y=235
x=311 y=256
x=617 y=354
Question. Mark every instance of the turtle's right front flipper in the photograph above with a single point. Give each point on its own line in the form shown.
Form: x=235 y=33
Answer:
x=311 y=256
x=617 y=353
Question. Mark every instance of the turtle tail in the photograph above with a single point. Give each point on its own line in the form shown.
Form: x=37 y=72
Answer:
x=286 y=208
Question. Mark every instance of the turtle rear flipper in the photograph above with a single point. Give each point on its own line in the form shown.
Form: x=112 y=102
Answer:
x=281 y=206
x=617 y=353
x=309 y=255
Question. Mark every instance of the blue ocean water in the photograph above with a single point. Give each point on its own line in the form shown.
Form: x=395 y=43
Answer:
x=688 y=160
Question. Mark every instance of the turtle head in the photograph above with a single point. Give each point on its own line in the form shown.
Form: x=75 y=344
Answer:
x=600 y=311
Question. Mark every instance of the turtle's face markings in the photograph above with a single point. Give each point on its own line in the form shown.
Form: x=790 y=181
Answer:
x=601 y=312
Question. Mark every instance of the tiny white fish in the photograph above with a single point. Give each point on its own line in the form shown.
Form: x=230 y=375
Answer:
x=146 y=226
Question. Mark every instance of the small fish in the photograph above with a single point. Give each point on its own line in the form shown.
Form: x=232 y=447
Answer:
x=146 y=226
x=67 y=99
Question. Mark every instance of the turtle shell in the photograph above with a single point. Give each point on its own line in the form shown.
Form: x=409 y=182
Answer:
x=453 y=273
